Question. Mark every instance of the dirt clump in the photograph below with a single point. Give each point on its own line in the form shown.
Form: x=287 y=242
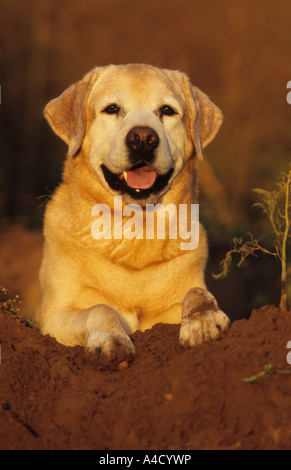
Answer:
x=55 y=397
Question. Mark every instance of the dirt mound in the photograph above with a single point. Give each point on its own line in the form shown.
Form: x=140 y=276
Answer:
x=55 y=397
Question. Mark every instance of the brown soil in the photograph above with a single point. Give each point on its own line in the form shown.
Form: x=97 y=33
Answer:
x=55 y=397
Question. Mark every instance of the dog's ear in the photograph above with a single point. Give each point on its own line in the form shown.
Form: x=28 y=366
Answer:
x=205 y=117
x=207 y=121
x=66 y=113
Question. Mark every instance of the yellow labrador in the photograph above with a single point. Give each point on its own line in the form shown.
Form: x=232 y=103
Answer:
x=134 y=134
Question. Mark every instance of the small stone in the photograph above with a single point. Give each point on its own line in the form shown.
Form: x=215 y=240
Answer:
x=168 y=396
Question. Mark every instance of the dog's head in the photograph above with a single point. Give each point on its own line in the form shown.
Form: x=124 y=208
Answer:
x=137 y=126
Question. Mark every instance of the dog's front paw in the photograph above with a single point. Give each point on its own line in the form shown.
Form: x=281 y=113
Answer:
x=112 y=347
x=202 y=320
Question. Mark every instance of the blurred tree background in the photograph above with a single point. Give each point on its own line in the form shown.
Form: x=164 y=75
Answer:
x=236 y=52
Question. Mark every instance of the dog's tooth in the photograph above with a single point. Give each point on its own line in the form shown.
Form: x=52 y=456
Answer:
x=125 y=176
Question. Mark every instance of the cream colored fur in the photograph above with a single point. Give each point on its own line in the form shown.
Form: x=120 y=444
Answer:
x=96 y=293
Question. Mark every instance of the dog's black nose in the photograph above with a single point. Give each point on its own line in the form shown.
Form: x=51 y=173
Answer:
x=142 y=139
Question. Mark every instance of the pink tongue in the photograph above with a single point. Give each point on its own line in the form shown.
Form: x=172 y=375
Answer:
x=141 y=178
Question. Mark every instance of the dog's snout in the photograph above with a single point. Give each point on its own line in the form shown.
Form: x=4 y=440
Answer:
x=142 y=139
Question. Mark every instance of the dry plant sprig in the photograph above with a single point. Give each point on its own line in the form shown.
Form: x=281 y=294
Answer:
x=10 y=301
x=276 y=205
x=268 y=371
x=243 y=249
x=10 y=304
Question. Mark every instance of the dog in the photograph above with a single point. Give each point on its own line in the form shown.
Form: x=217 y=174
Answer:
x=135 y=134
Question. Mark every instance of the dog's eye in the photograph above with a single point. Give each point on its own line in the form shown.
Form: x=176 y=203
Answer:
x=111 y=109
x=167 y=110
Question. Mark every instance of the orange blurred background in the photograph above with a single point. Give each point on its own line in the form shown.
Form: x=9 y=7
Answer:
x=236 y=52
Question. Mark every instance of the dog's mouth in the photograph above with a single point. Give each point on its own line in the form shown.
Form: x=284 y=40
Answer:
x=140 y=181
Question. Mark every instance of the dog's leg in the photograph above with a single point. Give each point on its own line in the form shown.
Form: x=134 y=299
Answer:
x=107 y=337
x=98 y=328
x=202 y=320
